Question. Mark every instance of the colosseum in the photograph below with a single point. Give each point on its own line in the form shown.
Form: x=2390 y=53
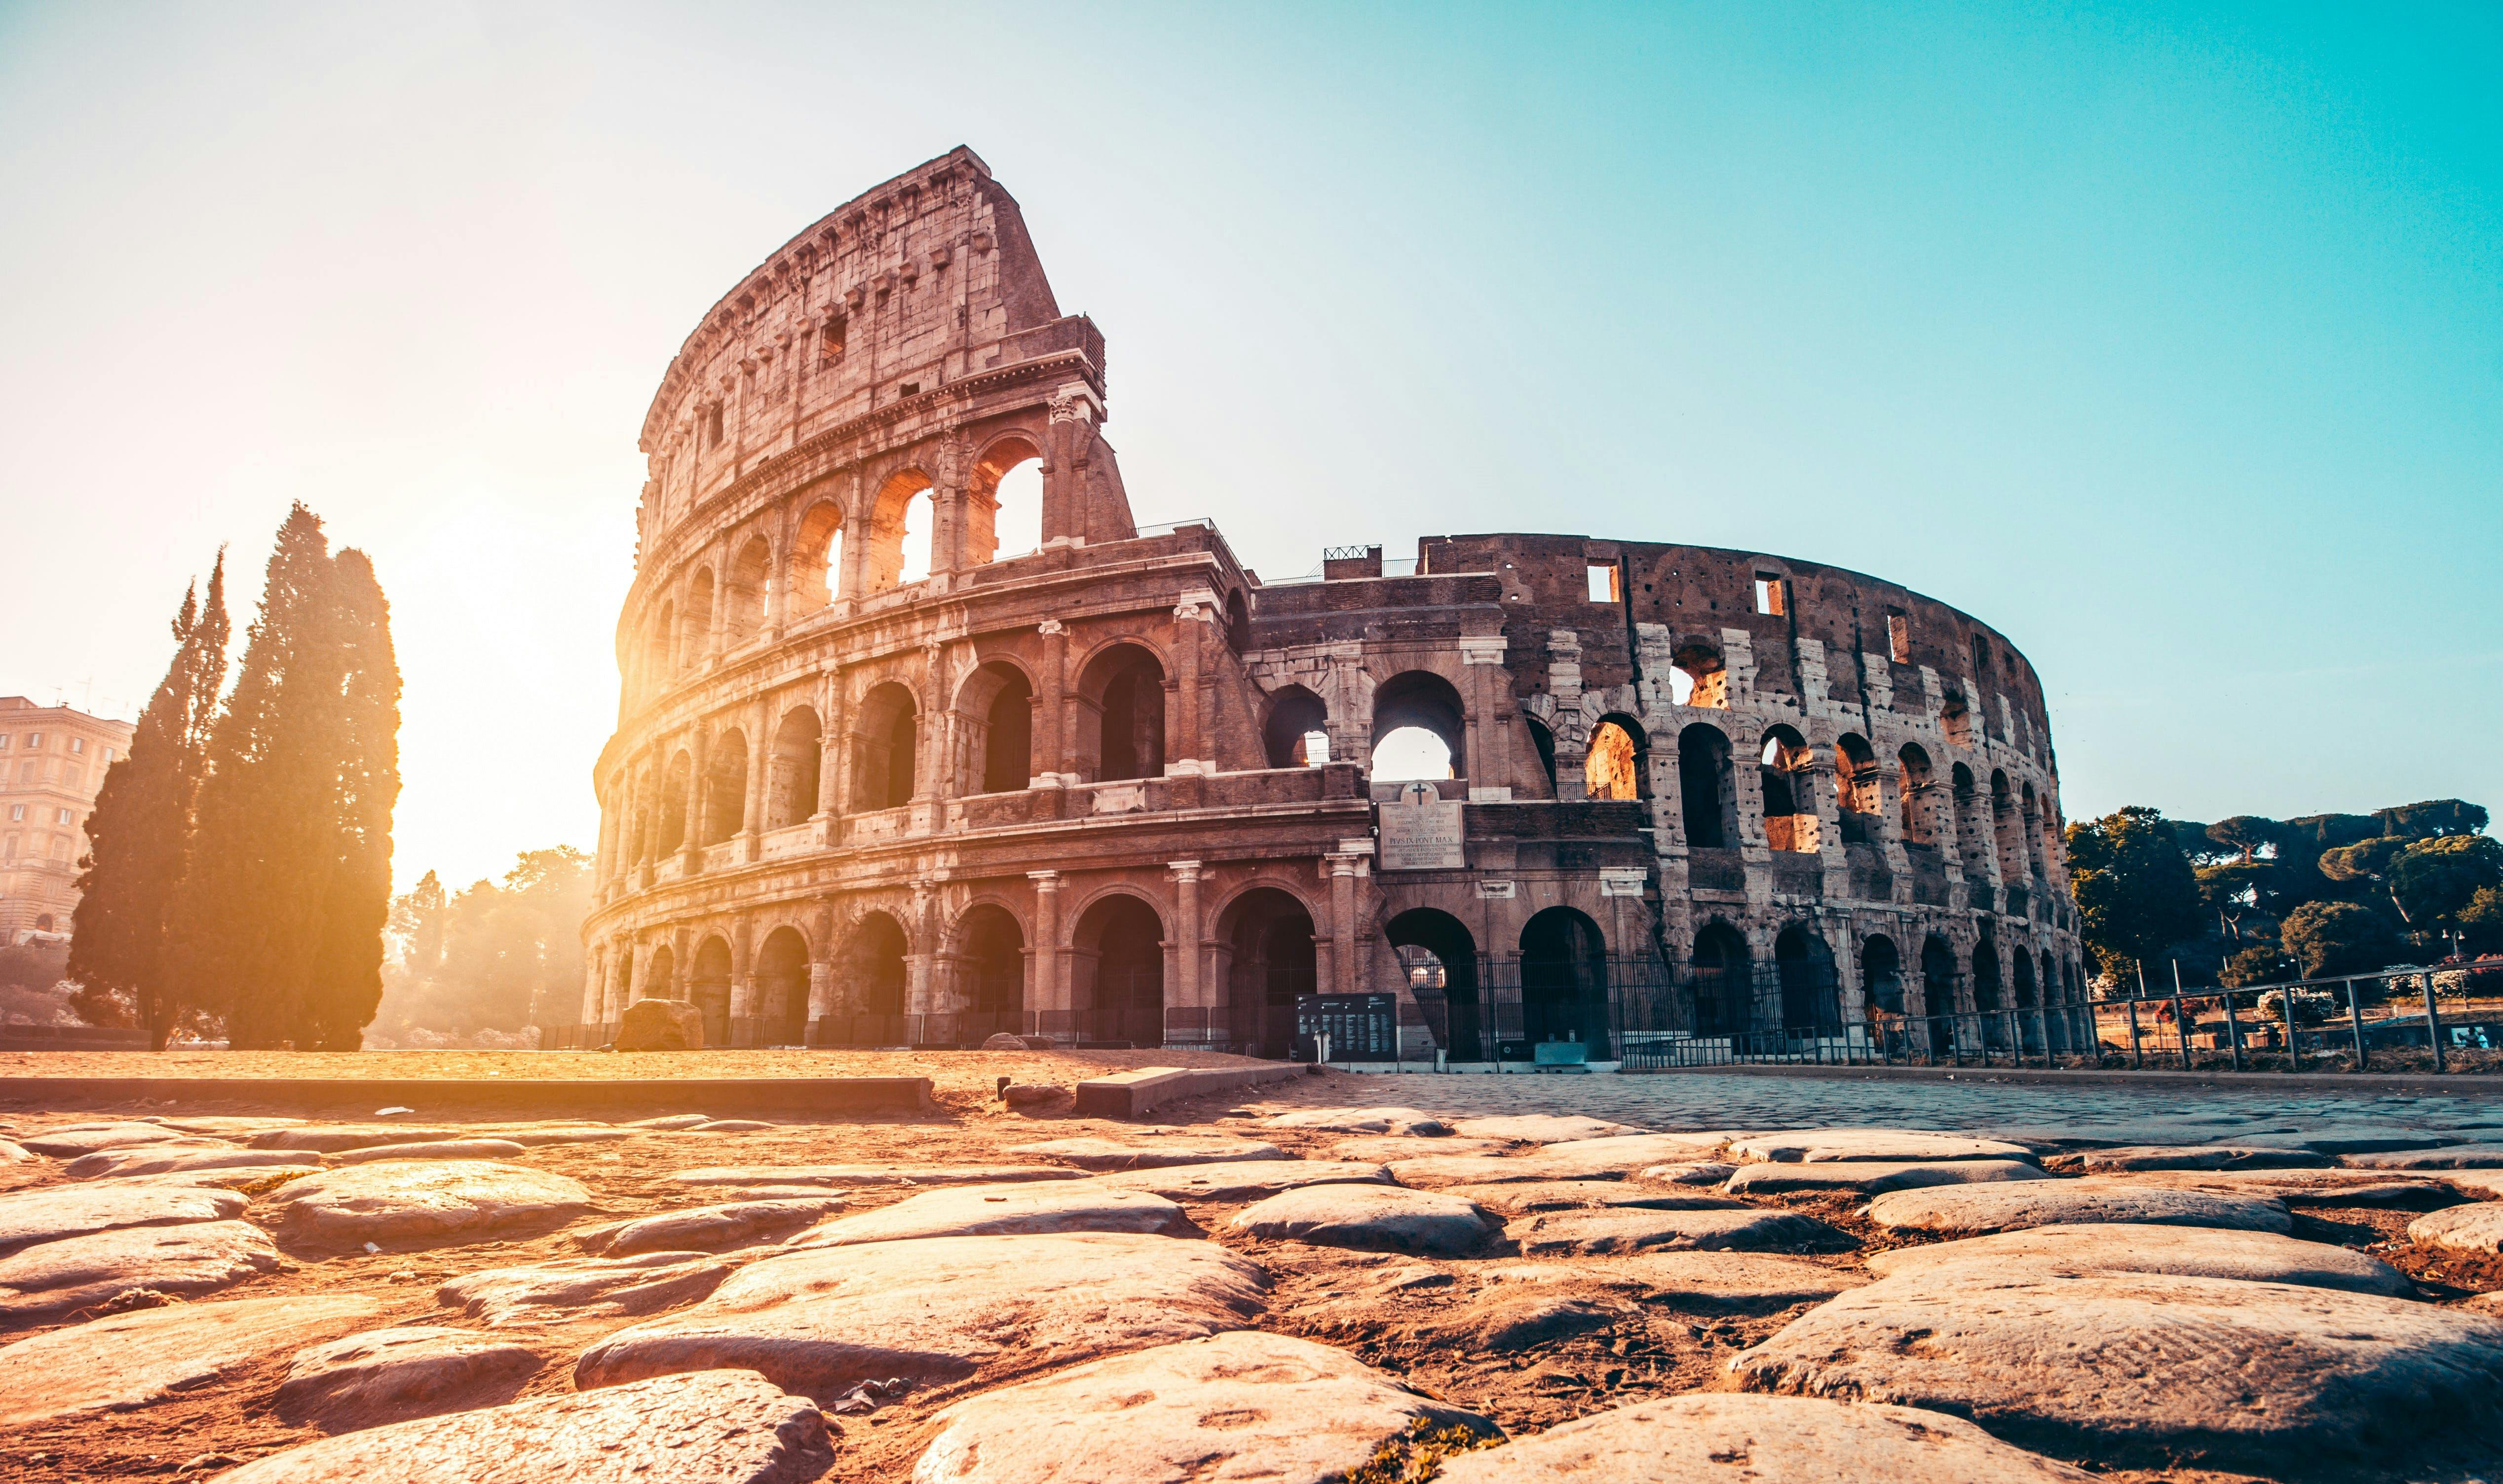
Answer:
x=877 y=781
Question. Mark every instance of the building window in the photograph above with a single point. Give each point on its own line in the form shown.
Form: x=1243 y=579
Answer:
x=108 y=757
x=9 y=848
x=61 y=816
x=5 y=740
x=1898 y=636
x=1600 y=580
x=1769 y=593
x=34 y=739
x=77 y=744
x=16 y=814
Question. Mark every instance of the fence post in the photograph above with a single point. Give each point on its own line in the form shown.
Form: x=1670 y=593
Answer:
x=2137 y=1054
x=2233 y=1031
x=2016 y=1038
x=2042 y=1028
x=2180 y=1031
x=2433 y=1020
x=2355 y=1019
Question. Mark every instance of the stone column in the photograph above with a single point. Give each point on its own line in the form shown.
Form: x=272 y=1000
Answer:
x=760 y=758
x=742 y=985
x=699 y=750
x=1051 y=993
x=1342 y=869
x=595 y=976
x=1051 y=707
x=1186 y=933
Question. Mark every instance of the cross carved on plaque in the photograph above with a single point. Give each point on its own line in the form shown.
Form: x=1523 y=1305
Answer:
x=1420 y=791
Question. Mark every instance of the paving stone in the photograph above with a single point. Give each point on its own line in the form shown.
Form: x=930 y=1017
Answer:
x=668 y=1121
x=392 y=1375
x=1112 y=1155
x=731 y=1125
x=1597 y=1158
x=2195 y=1251
x=1539 y=1129
x=1406 y=1121
x=942 y=1309
x=13 y=1152
x=2131 y=1157
x=565 y=1289
x=1237 y=1406
x=1244 y=1179
x=1383 y=1147
x=1688 y=1172
x=2365 y=1139
x=1515 y=1318
x=709 y=1229
x=423 y=1201
x=1004 y=1210
x=2241 y=1374
x=1586 y=1233
x=1526 y=1197
x=2474 y=1228
x=1370 y=1217
x=2453 y=1157
x=2475 y=1184
x=334 y=1138
x=1710 y=1438
x=1811 y=1145
x=128 y=1360
x=723 y=1426
x=2306 y=1187
x=1466 y=1169
x=441 y=1149
x=1979 y=1209
x=873 y=1174
x=226 y=1125
x=533 y=1137
x=78 y=1272
x=54 y=1212
x=71 y=1142
x=175 y=1160
x=1721 y=1281
x=1874 y=1176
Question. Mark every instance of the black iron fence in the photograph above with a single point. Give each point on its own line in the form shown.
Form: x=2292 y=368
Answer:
x=2398 y=1018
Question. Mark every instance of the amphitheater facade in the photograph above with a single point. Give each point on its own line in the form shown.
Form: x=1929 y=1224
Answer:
x=1120 y=789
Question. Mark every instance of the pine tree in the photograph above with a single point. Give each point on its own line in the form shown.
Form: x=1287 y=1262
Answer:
x=345 y=983
x=140 y=825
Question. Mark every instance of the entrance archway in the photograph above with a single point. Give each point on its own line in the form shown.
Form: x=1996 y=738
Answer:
x=782 y=989
x=870 y=979
x=708 y=988
x=1121 y=960
x=1725 y=989
x=1270 y=935
x=1881 y=977
x=990 y=970
x=1435 y=946
x=1564 y=981
x=1806 y=969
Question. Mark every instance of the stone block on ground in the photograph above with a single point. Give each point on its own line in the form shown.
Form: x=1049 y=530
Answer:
x=669 y=1121
x=2454 y=1157
x=723 y=1427
x=1807 y=1145
x=13 y=1152
x=2306 y=1187
x=1383 y=1147
x=2130 y=1157
x=129 y=1361
x=68 y=1143
x=1109 y=1155
x=1587 y=1233
x=1971 y=1209
x=708 y=1229
x=1407 y=1120
x=1530 y=1196
x=564 y=1289
x=428 y=1202
x=1240 y=1405
x=1539 y=1129
x=1714 y=1438
x=1516 y=1317
x=1720 y=1281
x=2259 y=1376
x=392 y=1375
x=51 y=1213
x=55 y=1279
x=1244 y=1179
x=441 y=1149
x=336 y=1138
x=820 y=1322
x=177 y=1160
x=2473 y=1228
x=1876 y=1176
x=2474 y=1184
x=1687 y=1172
x=2196 y=1252
x=1004 y=1210
x=840 y=1176
x=1369 y=1217
x=1617 y=1156
x=660 y=1025
x=1031 y=1095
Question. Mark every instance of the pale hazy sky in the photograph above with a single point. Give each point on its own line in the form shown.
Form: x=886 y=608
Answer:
x=2169 y=340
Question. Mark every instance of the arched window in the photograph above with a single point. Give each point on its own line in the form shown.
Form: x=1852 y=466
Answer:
x=1807 y=970
x=1881 y=976
x=900 y=529
x=1238 y=622
x=782 y=989
x=1565 y=980
x=887 y=729
x=725 y=801
x=2024 y=964
x=660 y=649
x=991 y=968
x=660 y=977
x=1917 y=788
x=1972 y=839
x=1004 y=508
x=1543 y=742
x=2007 y=830
x=1121 y=714
x=708 y=990
x=674 y=783
x=2030 y=834
x=1857 y=794
x=1119 y=969
x=1442 y=962
x=1418 y=701
x=1270 y=937
x=1985 y=976
x=995 y=713
x=1790 y=798
x=1938 y=976
x=871 y=976
x=1707 y=801
x=695 y=631
x=1294 y=736
x=1616 y=766
x=1955 y=720
x=1725 y=988
x=791 y=782
x=818 y=558
x=1697 y=677
x=745 y=595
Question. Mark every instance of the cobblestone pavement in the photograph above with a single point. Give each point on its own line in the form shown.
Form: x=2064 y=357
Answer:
x=2121 y=1112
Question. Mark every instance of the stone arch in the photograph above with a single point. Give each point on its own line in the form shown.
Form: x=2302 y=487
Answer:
x=1973 y=841
x=659 y=975
x=708 y=988
x=1565 y=980
x=1858 y=796
x=1238 y=622
x=1881 y=976
x=995 y=727
x=675 y=780
x=903 y=514
x=872 y=975
x=886 y=728
x=1424 y=701
x=1296 y=717
x=1725 y=988
x=987 y=950
x=1803 y=964
x=791 y=769
x=661 y=645
x=2006 y=829
x=725 y=799
x=1938 y=976
x=997 y=529
x=1789 y=791
x=1266 y=933
x=1542 y=741
x=1117 y=968
x=745 y=594
x=1698 y=677
x=782 y=988
x=1707 y=788
x=1618 y=765
x=622 y=992
x=1985 y=976
x=1121 y=713
x=1436 y=946
x=1919 y=790
x=694 y=625
x=816 y=568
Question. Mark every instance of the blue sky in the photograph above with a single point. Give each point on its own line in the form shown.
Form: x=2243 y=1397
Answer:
x=2169 y=340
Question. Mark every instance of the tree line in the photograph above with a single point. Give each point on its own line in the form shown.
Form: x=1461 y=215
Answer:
x=496 y=957
x=238 y=871
x=2255 y=900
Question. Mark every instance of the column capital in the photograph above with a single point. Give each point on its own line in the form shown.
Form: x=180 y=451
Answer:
x=1184 y=871
x=1044 y=881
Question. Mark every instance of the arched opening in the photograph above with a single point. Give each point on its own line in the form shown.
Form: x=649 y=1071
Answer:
x=1120 y=970
x=1858 y=797
x=791 y=776
x=1238 y=622
x=871 y=972
x=1806 y=967
x=694 y=625
x=1955 y=720
x=818 y=558
x=1707 y=798
x=1616 y=767
x=1985 y=976
x=888 y=727
x=1973 y=842
x=2030 y=834
x=1724 y=981
x=900 y=526
x=750 y=574
x=1121 y=728
x=2023 y=964
x=990 y=970
x=1004 y=508
x=1790 y=792
x=674 y=784
x=1697 y=677
x=1418 y=701
x=661 y=646
x=1270 y=935
x=1937 y=977
x=1542 y=740
x=708 y=990
x=660 y=977
x=1881 y=976
x=782 y=989
x=2007 y=830
x=1564 y=981
x=1295 y=736
x=624 y=992
x=725 y=801
x=995 y=721
x=1441 y=960
x=1918 y=790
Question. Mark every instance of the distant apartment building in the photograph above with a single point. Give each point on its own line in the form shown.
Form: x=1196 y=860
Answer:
x=52 y=763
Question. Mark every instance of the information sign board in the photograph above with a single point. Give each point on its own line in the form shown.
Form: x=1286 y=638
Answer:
x=1361 y=1028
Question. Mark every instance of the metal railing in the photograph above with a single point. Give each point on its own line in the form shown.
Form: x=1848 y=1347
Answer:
x=2404 y=1018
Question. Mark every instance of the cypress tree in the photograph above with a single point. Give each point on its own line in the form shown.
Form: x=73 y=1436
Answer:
x=345 y=980
x=141 y=823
